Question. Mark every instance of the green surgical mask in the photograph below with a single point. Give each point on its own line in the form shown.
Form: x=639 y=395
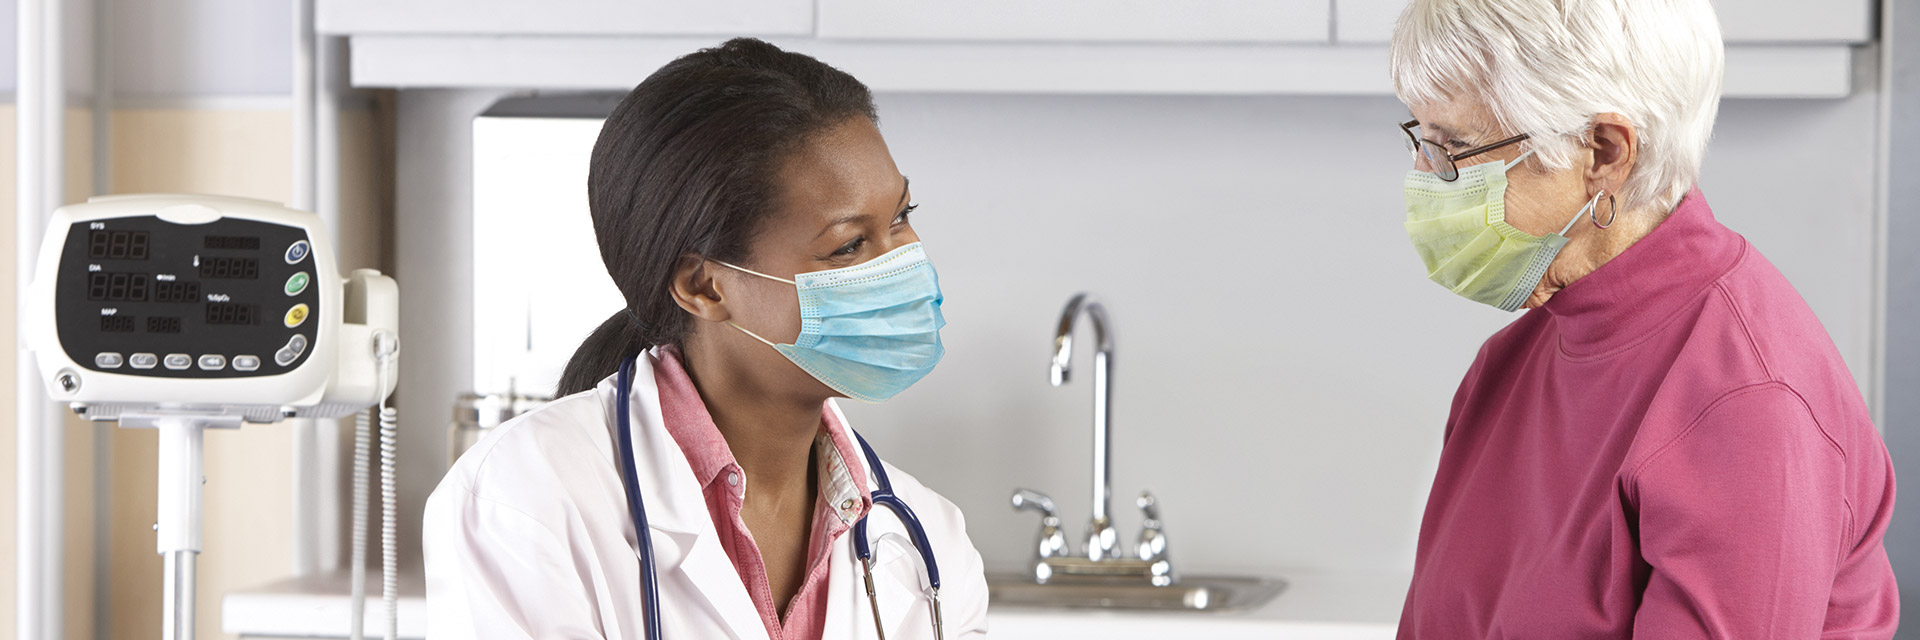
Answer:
x=1460 y=230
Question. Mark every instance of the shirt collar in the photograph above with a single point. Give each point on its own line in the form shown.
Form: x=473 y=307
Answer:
x=687 y=420
x=836 y=455
x=842 y=474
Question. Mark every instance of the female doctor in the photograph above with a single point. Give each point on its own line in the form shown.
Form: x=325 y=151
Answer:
x=751 y=215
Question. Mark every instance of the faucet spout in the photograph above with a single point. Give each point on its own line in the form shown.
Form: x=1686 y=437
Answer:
x=1102 y=542
x=1062 y=365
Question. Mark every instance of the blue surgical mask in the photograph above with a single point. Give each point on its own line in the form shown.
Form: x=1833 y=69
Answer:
x=868 y=331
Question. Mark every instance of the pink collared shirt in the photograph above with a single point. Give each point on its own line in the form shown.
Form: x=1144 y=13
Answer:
x=842 y=500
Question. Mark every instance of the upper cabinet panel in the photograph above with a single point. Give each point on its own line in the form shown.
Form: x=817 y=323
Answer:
x=1827 y=21
x=1186 y=21
x=1741 y=21
x=566 y=17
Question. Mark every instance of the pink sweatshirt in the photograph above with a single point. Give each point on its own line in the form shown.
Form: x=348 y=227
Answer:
x=1670 y=448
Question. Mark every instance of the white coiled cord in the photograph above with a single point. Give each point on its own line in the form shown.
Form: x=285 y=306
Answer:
x=389 y=519
x=385 y=346
x=362 y=442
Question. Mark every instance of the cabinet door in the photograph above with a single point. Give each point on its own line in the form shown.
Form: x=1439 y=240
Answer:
x=1741 y=21
x=1266 y=21
x=1849 y=21
x=566 y=17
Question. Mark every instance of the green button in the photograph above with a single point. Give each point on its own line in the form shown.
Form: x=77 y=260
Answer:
x=297 y=283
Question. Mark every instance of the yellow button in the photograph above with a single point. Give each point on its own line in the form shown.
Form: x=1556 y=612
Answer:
x=296 y=315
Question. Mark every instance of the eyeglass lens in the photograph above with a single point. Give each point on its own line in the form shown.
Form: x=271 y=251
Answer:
x=1436 y=157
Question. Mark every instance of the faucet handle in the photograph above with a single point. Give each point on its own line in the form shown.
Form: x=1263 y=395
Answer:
x=1149 y=507
x=1030 y=500
x=1153 y=538
x=1152 y=547
x=1052 y=541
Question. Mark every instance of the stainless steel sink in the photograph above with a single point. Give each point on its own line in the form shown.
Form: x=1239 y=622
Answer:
x=1191 y=593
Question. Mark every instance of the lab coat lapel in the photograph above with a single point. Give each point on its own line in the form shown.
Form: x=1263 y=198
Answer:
x=847 y=613
x=711 y=573
x=685 y=544
x=896 y=578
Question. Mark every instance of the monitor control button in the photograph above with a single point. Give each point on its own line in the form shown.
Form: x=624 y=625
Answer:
x=297 y=315
x=213 y=362
x=143 y=361
x=297 y=283
x=177 y=361
x=106 y=360
x=246 y=363
x=287 y=354
x=298 y=251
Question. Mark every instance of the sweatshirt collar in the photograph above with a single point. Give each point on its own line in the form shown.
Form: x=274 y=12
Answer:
x=1629 y=297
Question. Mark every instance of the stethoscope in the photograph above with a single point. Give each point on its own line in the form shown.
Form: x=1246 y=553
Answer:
x=884 y=496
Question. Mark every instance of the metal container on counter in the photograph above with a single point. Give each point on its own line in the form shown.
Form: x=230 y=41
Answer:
x=475 y=414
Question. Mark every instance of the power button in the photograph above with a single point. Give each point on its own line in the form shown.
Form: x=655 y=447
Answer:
x=298 y=251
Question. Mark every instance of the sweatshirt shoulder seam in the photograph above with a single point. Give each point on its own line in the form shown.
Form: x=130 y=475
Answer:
x=1746 y=330
x=1633 y=478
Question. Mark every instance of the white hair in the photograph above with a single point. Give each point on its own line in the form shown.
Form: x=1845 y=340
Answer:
x=1547 y=67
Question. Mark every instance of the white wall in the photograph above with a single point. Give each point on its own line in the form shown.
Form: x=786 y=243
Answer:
x=1283 y=368
x=176 y=48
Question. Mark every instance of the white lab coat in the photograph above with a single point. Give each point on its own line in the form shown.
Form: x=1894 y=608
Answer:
x=528 y=536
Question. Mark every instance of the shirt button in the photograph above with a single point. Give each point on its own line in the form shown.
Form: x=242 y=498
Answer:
x=733 y=479
x=848 y=504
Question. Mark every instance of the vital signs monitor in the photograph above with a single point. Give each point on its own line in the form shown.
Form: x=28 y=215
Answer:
x=185 y=312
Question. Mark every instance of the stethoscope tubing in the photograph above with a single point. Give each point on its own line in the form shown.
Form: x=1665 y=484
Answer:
x=630 y=479
x=884 y=496
x=649 y=582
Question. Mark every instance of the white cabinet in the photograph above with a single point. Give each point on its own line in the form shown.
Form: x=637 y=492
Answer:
x=1776 y=48
x=1829 y=21
x=1186 y=21
x=1741 y=21
x=1365 y=21
x=566 y=17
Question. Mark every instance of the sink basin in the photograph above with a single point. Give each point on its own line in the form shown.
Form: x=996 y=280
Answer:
x=1191 y=593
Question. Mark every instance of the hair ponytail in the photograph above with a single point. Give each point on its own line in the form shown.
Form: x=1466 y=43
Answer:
x=601 y=354
x=687 y=164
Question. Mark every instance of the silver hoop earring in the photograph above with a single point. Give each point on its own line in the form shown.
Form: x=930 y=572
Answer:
x=1613 y=209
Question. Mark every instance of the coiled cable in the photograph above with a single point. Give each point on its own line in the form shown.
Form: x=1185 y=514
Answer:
x=385 y=346
x=362 y=442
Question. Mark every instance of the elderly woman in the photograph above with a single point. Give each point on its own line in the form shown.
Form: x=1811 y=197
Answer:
x=1667 y=445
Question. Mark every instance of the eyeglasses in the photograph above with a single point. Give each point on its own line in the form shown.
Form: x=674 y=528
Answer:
x=1443 y=163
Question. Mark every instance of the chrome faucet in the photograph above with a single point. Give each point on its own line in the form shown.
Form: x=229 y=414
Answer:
x=1102 y=542
x=1103 y=558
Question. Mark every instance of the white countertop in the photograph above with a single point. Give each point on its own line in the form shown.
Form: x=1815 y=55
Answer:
x=320 y=606
x=1313 y=607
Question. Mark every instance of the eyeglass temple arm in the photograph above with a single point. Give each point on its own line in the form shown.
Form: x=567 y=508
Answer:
x=1490 y=147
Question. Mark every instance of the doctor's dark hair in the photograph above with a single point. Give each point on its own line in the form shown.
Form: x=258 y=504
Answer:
x=689 y=163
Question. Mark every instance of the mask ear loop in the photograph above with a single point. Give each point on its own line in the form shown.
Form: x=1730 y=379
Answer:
x=1516 y=161
x=745 y=270
x=1586 y=211
x=1613 y=209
